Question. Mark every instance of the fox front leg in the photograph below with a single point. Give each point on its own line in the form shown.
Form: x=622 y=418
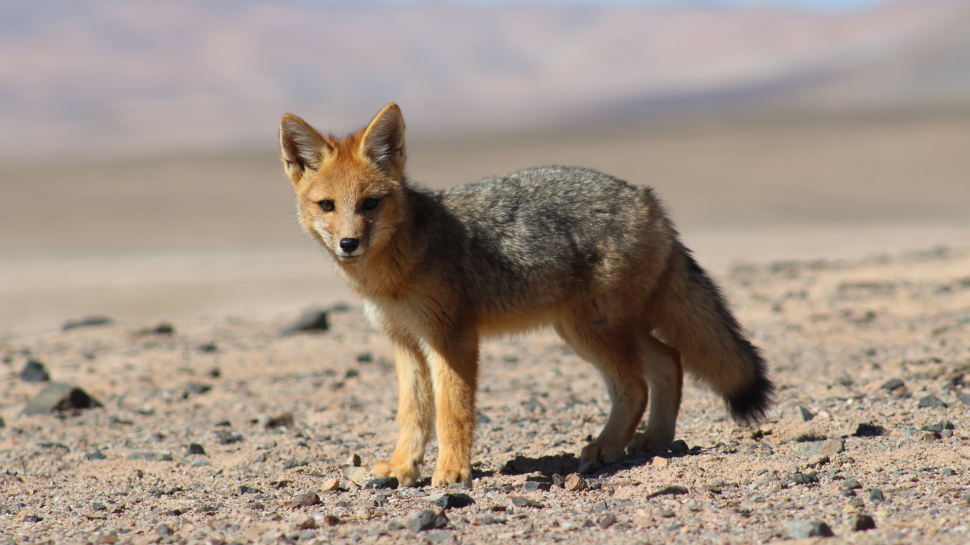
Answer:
x=415 y=415
x=454 y=370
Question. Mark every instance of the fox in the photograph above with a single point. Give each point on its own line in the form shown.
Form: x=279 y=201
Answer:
x=591 y=256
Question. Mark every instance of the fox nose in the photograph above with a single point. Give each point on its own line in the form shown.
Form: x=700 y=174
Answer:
x=348 y=245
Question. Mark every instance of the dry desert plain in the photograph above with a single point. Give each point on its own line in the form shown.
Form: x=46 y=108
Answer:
x=841 y=241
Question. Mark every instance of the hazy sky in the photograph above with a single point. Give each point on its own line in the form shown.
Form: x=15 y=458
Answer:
x=816 y=4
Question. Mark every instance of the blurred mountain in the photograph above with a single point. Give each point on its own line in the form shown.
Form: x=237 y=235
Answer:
x=110 y=76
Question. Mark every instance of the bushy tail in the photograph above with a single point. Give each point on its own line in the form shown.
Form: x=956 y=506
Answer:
x=690 y=314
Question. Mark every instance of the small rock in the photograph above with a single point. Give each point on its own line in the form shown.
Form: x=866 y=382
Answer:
x=801 y=529
x=963 y=397
x=675 y=527
x=454 y=501
x=876 y=495
x=520 y=501
x=868 y=429
x=283 y=420
x=246 y=489
x=678 y=447
x=195 y=448
x=892 y=384
x=948 y=472
x=304 y=500
x=533 y=486
x=818 y=461
x=311 y=321
x=331 y=520
x=673 y=490
x=829 y=448
x=426 y=520
x=164 y=530
x=851 y=484
x=804 y=478
x=95 y=455
x=939 y=427
x=657 y=461
x=805 y=414
x=558 y=480
x=58 y=396
x=160 y=329
x=32 y=518
x=214 y=372
x=151 y=456
x=382 y=483
x=195 y=388
x=305 y=521
x=693 y=506
x=606 y=520
x=331 y=485
x=34 y=371
x=208 y=348
x=862 y=522
x=228 y=437
x=930 y=436
x=360 y=476
x=575 y=483
x=848 y=493
x=394 y=526
x=931 y=401
x=90 y=321
x=364 y=357
x=355 y=460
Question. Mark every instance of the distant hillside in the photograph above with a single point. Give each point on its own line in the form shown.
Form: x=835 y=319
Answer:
x=105 y=76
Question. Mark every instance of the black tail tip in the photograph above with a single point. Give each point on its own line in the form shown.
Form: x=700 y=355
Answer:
x=749 y=404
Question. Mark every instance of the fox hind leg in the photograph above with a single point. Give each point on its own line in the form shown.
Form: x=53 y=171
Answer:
x=614 y=353
x=665 y=377
x=415 y=414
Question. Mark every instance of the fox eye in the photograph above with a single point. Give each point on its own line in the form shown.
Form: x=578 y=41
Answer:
x=326 y=205
x=370 y=203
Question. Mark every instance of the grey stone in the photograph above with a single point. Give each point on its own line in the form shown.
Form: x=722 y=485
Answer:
x=829 y=448
x=34 y=371
x=876 y=495
x=90 y=321
x=964 y=397
x=939 y=427
x=427 y=520
x=195 y=448
x=678 y=447
x=382 y=483
x=892 y=384
x=454 y=501
x=606 y=520
x=868 y=429
x=311 y=321
x=95 y=455
x=804 y=478
x=862 y=522
x=673 y=490
x=520 y=501
x=533 y=486
x=285 y=419
x=931 y=402
x=164 y=530
x=58 y=396
x=851 y=484
x=305 y=500
x=805 y=414
x=151 y=456
x=801 y=529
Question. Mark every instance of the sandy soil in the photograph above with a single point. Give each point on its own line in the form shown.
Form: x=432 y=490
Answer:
x=206 y=244
x=834 y=332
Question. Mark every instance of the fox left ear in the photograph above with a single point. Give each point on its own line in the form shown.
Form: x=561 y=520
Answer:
x=383 y=141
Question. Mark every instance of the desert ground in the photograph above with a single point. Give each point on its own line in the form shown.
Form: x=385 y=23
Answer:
x=842 y=242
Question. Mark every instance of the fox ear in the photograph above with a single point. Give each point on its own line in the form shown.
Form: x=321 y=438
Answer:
x=383 y=141
x=303 y=147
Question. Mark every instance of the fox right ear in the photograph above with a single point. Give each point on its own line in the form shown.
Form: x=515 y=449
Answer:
x=302 y=146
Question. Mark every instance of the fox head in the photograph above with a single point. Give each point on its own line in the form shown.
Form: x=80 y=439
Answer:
x=349 y=191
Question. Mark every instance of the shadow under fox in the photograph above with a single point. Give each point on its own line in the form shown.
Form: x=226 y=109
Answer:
x=590 y=255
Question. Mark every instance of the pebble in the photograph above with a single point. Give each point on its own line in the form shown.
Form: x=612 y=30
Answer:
x=305 y=521
x=876 y=495
x=427 y=520
x=283 y=420
x=58 y=396
x=454 y=501
x=382 y=483
x=32 y=518
x=311 y=321
x=160 y=329
x=939 y=427
x=331 y=485
x=151 y=456
x=964 y=397
x=605 y=520
x=164 y=530
x=931 y=401
x=208 y=348
x=657 y=461
x=195 y=449
x=34 y=371
x=520 y=501
x=805 y=414
x=804 y=478
x=673 y=490
x=331 y=520
x=801 y=529
x=851 y=484
x=678 y=447
x=930 y=436
x=246 y=489
x=90 y=321
x=95 y=455
x=892 y=384
x=355 y=460
x=829 y=448
x=305 y=500
x=575 y=483
x=861 y=522
x=868 y=429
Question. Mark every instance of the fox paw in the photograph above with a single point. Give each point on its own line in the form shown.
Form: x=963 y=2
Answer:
x=444 y=477
x=407 y=475
x=648 y=442
x=601 y=453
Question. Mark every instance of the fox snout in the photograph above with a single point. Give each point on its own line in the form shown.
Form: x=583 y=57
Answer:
x=348 y=245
